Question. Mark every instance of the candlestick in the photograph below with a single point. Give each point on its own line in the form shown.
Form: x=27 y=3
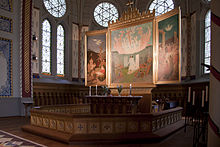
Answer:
x=206 y=93
x=189 y=94
x=96 y=88
x=203 y=94
x=90 y=90
x=193 y=102
x=130 y=89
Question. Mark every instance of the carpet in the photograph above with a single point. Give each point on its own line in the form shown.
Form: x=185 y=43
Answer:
x=10 y=140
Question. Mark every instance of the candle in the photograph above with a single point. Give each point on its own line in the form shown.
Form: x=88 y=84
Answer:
x=130 y=89
x=96 y=88
x=203 y=94
x=90 y=90
x=193 y=102
x=189 y=94
x=206 y=93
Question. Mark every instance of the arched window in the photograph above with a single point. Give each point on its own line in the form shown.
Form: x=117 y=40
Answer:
x=161 y=6
x=60 y=50
x=207 y=40
x=57 y=8
x=46 y=47
x=105 y=12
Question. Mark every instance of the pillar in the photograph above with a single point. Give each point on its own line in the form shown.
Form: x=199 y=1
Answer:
x=214 y=102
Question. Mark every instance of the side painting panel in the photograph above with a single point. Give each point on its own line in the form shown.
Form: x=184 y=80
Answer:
x=96 y=59
x=168 y=70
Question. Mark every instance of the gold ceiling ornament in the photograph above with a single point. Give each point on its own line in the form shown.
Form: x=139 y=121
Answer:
x=131 y=15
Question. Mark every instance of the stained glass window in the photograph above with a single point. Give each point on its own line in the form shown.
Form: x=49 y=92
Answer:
x=207 y=40
x=60 y=50
x=57 y=8
x=105 y=12
x=46 y=46
x=161 y=6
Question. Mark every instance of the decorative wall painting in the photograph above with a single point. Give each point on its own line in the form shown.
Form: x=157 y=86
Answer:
x=6 y=5
x=131 y=55
x=5 y=24
x=95 y=58
x=5 y=64
x=168 y=47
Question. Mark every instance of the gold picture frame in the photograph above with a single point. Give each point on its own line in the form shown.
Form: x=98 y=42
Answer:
x=168 y=47
x=133 y=61
x=95 y=58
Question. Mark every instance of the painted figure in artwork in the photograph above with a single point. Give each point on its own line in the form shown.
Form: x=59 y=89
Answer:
x=131 y=54
x=132 y=65
x=91 y=67
x=168 y=55
x=96 y=65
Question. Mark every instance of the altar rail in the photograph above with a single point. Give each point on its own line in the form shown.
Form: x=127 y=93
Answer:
x=55 y=94
x=69 y=127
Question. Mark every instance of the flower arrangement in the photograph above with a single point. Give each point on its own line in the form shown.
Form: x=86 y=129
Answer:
x=106 y=90
x=119 y=89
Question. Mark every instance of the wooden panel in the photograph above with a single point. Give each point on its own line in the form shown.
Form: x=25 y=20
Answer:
x=54 y=94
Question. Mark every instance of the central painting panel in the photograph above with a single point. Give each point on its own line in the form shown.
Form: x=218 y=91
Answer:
x=131 y=54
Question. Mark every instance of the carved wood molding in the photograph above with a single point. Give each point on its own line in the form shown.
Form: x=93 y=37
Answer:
x=130 y=16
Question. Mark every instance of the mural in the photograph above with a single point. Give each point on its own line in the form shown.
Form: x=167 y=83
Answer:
x=168 y=49
x=5 y=64
x=132 y=54
x=5 y=24
x=96 y=59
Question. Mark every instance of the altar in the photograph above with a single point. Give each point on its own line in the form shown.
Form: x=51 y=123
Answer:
x=101 y=104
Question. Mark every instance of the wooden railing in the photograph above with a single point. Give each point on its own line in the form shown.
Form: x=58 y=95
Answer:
x=179 y=92
x=56 y=94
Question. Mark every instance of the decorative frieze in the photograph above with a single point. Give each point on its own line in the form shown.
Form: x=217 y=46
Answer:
x=104 y=123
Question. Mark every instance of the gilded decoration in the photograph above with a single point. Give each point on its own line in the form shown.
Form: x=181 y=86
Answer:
x=94 y=128
x=131 y=15
x=46 y=122
x=80 y=128
x=107 y=127
x=60 y=125
x=69 y=127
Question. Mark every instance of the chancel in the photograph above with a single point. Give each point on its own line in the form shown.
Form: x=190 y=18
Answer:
x=94 y=72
